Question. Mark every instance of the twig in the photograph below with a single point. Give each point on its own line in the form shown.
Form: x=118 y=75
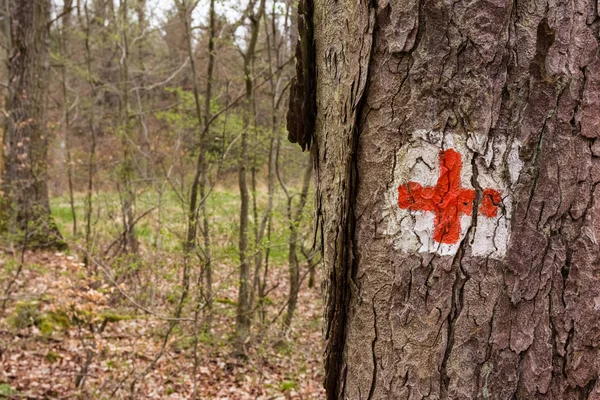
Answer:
x=59 y=16
x=125 y=295
x=170 y=78
x=124 y=233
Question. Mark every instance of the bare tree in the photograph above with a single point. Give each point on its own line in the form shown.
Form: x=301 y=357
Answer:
x=212 y=37
x=64 y=50
x=244 y=306
x=199 y=181
x=88 y=201
x=127 y=167
x=276 y=52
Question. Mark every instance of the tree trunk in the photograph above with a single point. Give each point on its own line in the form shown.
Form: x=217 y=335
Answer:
x=263 y=232
x=25 y=177
x=457 y=149
x=192 y=220
x=208 y=293
x=89 y=197
x=126 y=171
x=65 y=53
x=199 y=182
x=242 y=326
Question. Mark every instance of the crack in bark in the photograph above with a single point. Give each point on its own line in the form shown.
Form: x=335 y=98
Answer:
x=536 y=168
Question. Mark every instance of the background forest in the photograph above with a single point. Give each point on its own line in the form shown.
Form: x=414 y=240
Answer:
x=178 y=259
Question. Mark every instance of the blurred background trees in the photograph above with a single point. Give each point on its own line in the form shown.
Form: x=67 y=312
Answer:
x=148 y=136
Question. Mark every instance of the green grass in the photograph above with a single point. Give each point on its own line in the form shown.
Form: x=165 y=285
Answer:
x=164 y=228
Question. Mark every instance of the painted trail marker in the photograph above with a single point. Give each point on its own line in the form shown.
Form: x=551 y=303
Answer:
x=448 y=200
x=430 y=204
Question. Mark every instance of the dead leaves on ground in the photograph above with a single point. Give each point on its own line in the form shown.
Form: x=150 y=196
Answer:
x=58 y=318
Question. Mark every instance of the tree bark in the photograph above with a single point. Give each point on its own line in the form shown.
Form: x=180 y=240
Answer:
x=25 y=177
x=491 y=289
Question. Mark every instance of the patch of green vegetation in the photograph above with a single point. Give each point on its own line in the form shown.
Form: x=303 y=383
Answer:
x=266 y=301
x=6 y=391
x=205 y=337
x=114 y=317
x=144 y=231
x=285 y=385
x=53 y=357
x=52 y=321
x=25 y=315
x=285 y=348
x=46 y=326
x=62 y=212
x=9 y=267
x=42 y=269
x=222 y=207
x=225 y=300
x=81 y=274
x=174 y=296
x=4 y=213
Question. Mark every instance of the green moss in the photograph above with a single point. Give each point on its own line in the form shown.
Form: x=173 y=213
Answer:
x=53 y=321
x=227 y=301
x=53 y=357
x=114 y=317
x=46 y=326
x=285 y=386
x=25 y=315
x=6 y=391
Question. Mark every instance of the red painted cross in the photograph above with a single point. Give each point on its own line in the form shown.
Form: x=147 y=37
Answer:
x=447 y=199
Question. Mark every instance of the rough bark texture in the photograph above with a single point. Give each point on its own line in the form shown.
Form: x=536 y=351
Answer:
x=514 y=86
x=24 y=179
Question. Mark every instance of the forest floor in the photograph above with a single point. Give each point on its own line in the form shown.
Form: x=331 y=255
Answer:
x=61 y=327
